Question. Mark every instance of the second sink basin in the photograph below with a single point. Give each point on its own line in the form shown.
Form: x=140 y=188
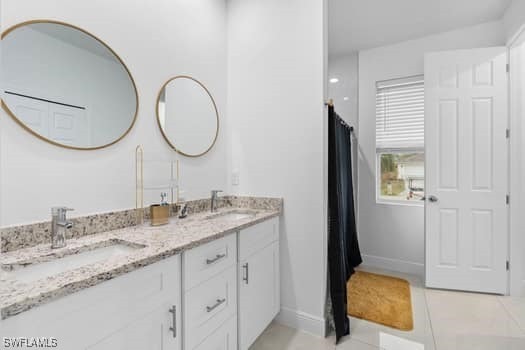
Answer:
x=29 y=272
x=233 y=215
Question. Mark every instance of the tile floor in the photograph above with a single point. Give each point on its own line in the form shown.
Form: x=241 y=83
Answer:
x=443 y=320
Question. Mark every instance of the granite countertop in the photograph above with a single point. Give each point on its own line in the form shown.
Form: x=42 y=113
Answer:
x=152 y=244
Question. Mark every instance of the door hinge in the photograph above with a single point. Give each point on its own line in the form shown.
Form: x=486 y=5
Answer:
x=507 y=265
x=507 y=199
x=508 y=67
x=507 y=133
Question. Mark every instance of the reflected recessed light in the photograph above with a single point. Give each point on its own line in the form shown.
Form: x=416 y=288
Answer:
x=334 y=80
x=346 y=98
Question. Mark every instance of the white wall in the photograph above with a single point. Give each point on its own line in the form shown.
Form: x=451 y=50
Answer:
x=345 y=68
x=1 y=123
x=156 y=41
x=392 y=236
x=514 y=18
x=276 y=76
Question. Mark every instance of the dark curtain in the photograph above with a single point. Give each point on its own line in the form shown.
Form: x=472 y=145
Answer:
x=343 y=248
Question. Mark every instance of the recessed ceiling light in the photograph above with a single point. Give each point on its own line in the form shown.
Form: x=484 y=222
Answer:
x=346 y=98
x=334 y=80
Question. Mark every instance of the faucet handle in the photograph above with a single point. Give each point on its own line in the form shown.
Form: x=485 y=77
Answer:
x=56 y=210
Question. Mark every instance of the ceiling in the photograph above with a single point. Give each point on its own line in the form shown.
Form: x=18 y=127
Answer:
x=75 y=38
x=362 y=24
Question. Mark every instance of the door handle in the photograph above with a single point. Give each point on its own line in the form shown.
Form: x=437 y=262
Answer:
x=433 y=199
x=173 y=312
x=245 y=277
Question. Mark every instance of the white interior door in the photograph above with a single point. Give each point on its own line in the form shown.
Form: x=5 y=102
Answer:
x=466 y=170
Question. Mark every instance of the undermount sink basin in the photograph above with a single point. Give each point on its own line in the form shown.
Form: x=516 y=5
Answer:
x=233 y=215
x=29 y=272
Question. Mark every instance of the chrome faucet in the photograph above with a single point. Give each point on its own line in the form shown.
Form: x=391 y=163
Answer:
x=214 y=199
x=59 y=225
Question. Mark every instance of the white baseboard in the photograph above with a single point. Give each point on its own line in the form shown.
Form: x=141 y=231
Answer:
x=302 y=321
x=394 y=265
x=517 y=289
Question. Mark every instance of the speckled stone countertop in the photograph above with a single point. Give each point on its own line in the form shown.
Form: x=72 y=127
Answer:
x=152 y=244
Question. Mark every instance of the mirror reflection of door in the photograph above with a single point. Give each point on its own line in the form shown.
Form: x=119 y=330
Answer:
x=69 y=126
x=63 y=124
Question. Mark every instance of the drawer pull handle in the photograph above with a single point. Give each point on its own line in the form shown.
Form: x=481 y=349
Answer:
x=217 y=304
x=173 y=329
x=246 y=269
x=214 y=260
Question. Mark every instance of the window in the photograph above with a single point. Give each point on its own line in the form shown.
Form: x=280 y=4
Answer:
x=400 y=106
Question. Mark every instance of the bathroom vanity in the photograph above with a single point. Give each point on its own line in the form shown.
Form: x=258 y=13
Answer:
x=108 y=281
x=210 y=281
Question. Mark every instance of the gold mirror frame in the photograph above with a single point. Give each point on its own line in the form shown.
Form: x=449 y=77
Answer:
x=19 y=122
x=160 y=126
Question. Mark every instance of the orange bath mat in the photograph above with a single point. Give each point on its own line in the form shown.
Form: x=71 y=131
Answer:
x=380 y=299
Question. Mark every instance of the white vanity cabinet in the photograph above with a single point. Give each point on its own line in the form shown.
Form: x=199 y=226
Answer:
x=231 y=289
x=218 y=296
x=133 y=311
x=259 y=287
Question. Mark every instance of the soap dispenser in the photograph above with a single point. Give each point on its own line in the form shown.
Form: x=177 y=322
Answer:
x=160 y=213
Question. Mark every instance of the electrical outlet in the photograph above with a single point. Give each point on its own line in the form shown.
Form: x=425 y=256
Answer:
x=235 y=178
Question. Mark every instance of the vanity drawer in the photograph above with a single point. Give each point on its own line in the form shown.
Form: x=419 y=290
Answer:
x=204 y=262
x=208 y=306
x=224 y=338
x=257 y=237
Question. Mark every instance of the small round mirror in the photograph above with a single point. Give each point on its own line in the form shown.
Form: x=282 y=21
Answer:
x=65 y=86
x=187 y=116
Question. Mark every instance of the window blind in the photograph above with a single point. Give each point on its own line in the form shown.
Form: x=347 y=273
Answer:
x=400 y=107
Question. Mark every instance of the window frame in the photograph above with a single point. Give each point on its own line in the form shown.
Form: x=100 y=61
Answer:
x=386 y=201
x=401 y=149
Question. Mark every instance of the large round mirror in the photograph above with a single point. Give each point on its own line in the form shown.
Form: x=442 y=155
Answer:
x=187 y=116
x=66 y=86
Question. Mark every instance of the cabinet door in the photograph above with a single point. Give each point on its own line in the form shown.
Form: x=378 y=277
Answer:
x=152 y=332
x=259 y=293
x=91 y=316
